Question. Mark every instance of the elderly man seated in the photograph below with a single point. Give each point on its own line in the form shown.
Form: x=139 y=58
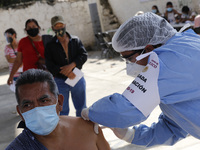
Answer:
x=39 y=105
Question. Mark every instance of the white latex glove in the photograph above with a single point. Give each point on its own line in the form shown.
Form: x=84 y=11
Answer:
x=125 y=134
x=84 y=115
x=96 y=128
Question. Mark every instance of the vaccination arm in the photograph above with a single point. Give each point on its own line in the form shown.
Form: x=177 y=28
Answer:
x=165 y=132
x=115 y=111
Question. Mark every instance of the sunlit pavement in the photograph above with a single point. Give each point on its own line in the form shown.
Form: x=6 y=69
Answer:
x=103 y=77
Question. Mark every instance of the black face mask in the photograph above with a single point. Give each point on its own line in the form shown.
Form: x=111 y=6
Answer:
x=33 y=32
x=9 y=39
x=60 y=32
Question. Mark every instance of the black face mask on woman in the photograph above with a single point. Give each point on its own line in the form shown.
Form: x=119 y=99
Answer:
x=33 y=32
x=9 y=39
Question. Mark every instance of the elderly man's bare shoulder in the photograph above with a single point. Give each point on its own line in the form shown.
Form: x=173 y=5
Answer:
x=80 y=125
x=82 y=132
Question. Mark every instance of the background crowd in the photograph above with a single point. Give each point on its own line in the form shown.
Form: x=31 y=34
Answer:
x=173 y=16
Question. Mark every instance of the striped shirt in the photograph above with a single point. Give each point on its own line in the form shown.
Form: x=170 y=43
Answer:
x=9 y=51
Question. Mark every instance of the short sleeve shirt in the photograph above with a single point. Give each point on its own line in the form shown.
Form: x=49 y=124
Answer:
x=29 y=55
x=11 y=52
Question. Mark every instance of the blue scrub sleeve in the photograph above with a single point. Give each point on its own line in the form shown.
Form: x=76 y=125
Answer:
x=115 y=111
x=165 y=132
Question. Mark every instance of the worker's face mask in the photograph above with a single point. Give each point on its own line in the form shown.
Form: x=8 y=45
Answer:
x=41 y=120
x=60 y=32
x=132 y=68
x=33 y=32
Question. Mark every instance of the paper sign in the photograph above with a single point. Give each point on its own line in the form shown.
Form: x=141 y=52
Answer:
x=20 y=69
x=79 y=74
x=12 y=86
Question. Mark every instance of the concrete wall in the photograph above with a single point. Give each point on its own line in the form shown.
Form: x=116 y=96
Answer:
x=108 y=19
x=76 y=15
x=124 y=9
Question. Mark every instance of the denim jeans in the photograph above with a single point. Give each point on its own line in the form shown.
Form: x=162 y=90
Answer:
x=15 y=78
x=78 y=94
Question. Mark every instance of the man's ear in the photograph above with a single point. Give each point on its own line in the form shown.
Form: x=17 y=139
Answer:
x=149 y=48
x=17 y=107
x=60 y=101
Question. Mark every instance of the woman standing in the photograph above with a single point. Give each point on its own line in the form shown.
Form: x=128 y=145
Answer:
x=11 y=50
x=27 y=49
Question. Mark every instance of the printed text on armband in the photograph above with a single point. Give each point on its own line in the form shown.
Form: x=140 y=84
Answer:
x=153 y=63
x=130 y=90
x=142 y=78
x=140 y=87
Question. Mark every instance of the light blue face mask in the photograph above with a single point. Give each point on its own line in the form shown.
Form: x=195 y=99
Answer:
x=169 y=9
x=154 y=11
x=41 y=120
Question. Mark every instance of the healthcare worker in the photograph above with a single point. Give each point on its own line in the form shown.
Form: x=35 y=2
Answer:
x=166 y=65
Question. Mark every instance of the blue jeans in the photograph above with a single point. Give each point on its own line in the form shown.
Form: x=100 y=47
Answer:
x=15 y=78
x=78 y=94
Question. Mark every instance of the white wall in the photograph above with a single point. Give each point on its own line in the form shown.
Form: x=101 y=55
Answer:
x=75 y=14
x=124 y=9
x=77 y=17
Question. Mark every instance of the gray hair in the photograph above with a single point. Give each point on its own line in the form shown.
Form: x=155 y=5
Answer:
x=36 y=75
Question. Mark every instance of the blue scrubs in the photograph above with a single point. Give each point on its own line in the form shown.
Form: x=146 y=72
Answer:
x=179 y=90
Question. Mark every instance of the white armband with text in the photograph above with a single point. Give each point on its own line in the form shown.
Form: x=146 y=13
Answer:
x=143 y=91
